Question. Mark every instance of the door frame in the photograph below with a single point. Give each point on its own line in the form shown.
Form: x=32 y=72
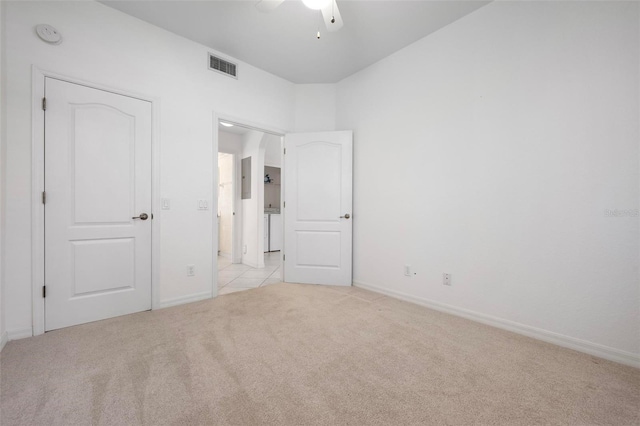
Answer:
x=221 y=116
x=234 y=205
x=37 y=186
x=236 y=222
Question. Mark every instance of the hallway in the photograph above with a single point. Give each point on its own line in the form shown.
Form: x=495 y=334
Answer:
x=234 y=277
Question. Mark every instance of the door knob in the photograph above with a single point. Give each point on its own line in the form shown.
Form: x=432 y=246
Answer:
x=143 y=216
x=346 y=216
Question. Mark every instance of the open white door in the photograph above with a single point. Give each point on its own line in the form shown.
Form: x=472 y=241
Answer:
x=318 y=196
x=98 y=204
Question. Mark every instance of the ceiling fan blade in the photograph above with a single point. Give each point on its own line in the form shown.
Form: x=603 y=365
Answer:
x=268 y=5
x=330 y=12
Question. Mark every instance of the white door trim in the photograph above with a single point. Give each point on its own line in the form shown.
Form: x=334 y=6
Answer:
x=37 y=186
x=217 y=116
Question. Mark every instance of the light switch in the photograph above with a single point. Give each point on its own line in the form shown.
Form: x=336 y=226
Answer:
x=166 y=204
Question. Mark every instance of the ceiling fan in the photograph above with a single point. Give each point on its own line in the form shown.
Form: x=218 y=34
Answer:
x=329 y=8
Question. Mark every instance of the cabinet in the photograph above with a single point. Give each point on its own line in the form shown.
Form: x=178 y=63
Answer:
x=272 y=232
x=275 y=232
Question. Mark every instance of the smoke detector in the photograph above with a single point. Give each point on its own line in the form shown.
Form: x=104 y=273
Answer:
x=48 y=34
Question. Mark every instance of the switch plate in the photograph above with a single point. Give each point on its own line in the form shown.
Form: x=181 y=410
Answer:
x=191 y=270
x=407 y=270
x=166 y=204
x=203 y=205
x=446 y=279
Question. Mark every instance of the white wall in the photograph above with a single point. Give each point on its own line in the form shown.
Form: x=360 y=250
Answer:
x=133 y=56
x=273 y=151
x=3 y=333
x=315 y=107
x=229 y=142
x=504 y=137
x=225 y=203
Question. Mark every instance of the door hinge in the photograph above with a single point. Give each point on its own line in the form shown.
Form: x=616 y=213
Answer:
x=285 y=151
x=284 y=257
x=44 y=197
x=44 y=104
x=44 y=291
x=284 y=204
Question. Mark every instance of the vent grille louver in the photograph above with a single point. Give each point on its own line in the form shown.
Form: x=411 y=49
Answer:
x=225 y=67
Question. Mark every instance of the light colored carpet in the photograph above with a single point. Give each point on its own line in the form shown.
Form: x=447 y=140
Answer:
x=303 y=355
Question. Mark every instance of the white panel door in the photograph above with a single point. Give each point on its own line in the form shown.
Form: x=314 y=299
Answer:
x=97 y=181
x=317 y=214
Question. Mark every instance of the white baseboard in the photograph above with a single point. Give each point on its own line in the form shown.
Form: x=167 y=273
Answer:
x=590 y=348
x=185 y=299
x=253 y=265
x=3 y=340
x=20 y=333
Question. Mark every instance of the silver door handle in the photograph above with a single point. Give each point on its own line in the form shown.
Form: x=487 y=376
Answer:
x=346 y=216
x=143 y=216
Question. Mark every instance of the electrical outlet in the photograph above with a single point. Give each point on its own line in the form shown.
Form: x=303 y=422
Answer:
x=407 y=270
x=203 y=205
x=191 y=270
x=244 y=249
x=446 y=279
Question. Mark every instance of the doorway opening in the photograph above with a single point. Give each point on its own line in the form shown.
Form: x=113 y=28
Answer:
x=226 y=212
x=249 y=197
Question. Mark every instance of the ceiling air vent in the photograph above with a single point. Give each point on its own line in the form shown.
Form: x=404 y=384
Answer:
x=225 y=67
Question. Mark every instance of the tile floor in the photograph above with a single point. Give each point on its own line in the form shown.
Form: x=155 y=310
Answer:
x=234 y=277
